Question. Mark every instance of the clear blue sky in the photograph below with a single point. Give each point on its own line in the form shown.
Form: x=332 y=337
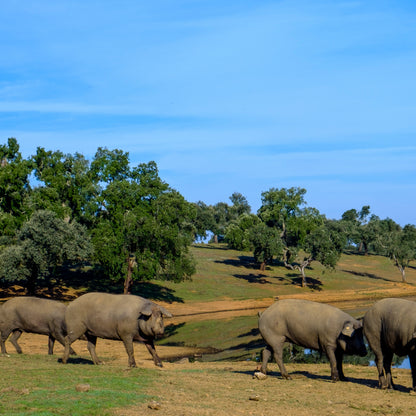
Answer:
x=226 y=96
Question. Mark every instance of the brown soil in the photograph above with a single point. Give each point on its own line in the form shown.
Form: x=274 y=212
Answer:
x=224 y=389
x=345 y=299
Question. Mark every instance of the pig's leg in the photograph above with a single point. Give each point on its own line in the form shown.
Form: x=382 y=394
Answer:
x=339 y=356
x=13 y=339
x=266 y=354
x=128 y=345
x=92 y=341
x=276 y=344
x=330 y=352
x=412 y=359
x=388 y=358
x=151 y=348
x=378 y=358
x=76 y=331
x=51 y=343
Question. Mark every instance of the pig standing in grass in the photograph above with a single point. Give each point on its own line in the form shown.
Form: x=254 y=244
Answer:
x=122 y=317
x=311 y=325
x=390 y=328
x=35 y=315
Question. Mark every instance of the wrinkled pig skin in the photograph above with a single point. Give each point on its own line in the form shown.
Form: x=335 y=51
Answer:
x=310 y=325
x=120 y=317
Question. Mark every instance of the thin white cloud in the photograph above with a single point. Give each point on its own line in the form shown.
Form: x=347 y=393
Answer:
x=222 y=95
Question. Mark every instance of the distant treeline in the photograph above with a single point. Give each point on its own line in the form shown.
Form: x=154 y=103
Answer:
x=61 y=210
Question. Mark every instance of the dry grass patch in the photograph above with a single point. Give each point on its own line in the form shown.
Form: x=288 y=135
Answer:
x=224 y=389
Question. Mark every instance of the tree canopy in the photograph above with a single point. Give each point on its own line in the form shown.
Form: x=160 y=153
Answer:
x=42 y=244
x=14 y=188
x=137 y=227
x=145 y=229
x=288 y=231
x=397 y=243
x=130 y=225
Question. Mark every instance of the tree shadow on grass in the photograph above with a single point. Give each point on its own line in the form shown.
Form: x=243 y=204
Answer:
x=77 y=360
x=149 y=290
x=363 y=274
x=156 y=292
x=253 y=278
x=242 y=261
x=71 y=282
x=311 y=283
x=211 y=246
x=91 y=280
x=253 y=333
x=11 y=291
x=371 y=383
x=248 y=346
x=172 y=329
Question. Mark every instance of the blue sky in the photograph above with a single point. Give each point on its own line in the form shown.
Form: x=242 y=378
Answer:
x=226 y=96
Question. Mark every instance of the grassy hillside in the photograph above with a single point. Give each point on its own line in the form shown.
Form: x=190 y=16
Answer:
x=229 y=274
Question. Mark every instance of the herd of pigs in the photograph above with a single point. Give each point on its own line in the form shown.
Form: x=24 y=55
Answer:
x=389 y=326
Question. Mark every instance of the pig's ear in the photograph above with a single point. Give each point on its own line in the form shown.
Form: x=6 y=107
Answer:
x=165 y=312
x=348 y=329
x=147 y=309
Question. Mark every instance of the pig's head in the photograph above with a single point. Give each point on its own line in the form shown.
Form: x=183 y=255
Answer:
x=351 y=339
x=151 y=320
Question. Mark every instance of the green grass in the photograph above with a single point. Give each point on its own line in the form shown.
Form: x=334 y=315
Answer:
x=39 y=385
x=230 y=274
x=237 y=335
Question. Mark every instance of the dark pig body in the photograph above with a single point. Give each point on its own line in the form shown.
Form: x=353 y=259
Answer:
x=34 y=315
x=390 y=328
x=311 y=325
x=120 y=317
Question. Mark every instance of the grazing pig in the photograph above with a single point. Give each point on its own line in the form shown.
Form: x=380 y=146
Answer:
x=390 y=328
x=121 y=317
x=35 y=315
x=311 y=325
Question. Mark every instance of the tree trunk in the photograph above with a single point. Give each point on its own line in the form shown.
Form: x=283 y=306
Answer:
x=31 y=283
x=401 y=268
x=363 y=248
x=403 y=275
x=302 y=270
x=30 y=287
x=128 y=281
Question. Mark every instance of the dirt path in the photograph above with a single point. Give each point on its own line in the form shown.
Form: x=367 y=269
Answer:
x=347 y=300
